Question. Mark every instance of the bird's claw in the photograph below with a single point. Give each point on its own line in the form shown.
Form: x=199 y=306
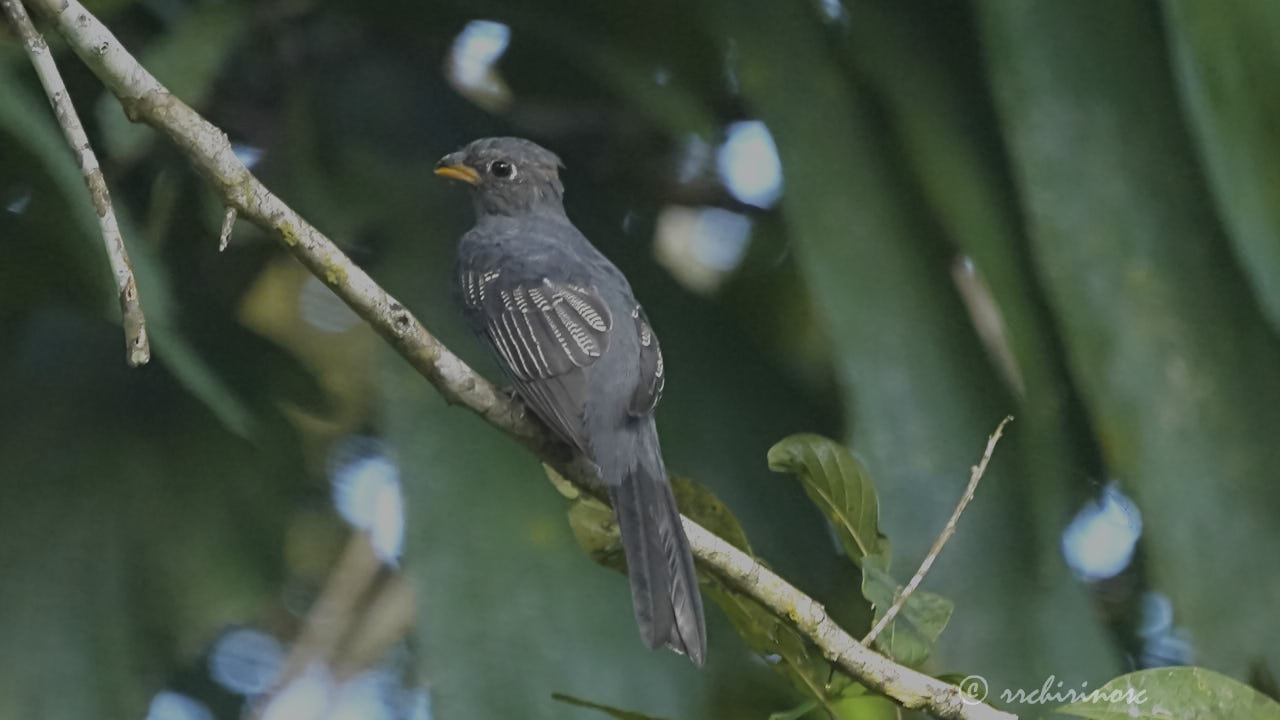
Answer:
x=518 y=408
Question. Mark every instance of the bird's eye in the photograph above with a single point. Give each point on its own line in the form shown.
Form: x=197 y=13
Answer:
x=502 y=169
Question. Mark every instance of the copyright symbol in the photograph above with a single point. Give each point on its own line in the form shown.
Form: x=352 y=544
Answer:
x=973 y=689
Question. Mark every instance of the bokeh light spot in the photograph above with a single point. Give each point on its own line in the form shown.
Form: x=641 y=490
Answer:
x=246 y=661
x=749 y=165
x=366 y=493
x=18 y=205
x=1099 y=542
x=471 y=64
x=248 y=155
x=701 y=246
x=307 y=696
x=169 y=705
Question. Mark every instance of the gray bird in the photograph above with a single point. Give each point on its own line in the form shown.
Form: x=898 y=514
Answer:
x=580 y=352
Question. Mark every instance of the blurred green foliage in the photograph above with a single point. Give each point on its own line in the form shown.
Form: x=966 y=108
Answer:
x=1189 y=693
x=1066 y=211
x=838 y=484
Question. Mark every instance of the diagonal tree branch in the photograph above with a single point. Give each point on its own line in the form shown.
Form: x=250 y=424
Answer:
x=207 y=147
x=138 y=349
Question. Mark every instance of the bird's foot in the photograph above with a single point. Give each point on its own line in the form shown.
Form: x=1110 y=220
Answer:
x=518 y=409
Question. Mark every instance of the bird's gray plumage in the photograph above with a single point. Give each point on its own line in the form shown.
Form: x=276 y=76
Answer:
x=581 y=353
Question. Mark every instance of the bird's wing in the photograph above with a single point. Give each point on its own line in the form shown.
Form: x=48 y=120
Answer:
x=546 y=333
x=652 y=373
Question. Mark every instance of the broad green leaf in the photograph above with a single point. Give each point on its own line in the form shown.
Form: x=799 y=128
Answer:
x=835 y=480
x=562 y=486
x=168 y=344
x=852 y=704
x=171 y=347
x=606 y=709
x=668 y=97
x=703 y=507
x=793 y=657
x=27 y=121
x=131 y=531
x=916 y=386
x=1173 y=359
x=1263 y=680
x=1177 y=693
x=911 y=636
x=105 y=9
x=789 y=653
x=186 y=60
x=201 y=380
x=796 y=712
x=936 y=96
x=1223 y=53
x=597 y=533
x=596 y=530
x=867 y=707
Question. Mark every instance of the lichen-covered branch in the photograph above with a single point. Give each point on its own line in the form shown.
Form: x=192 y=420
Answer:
x=208 y=149
x=910 y=688
x=137 y=348
x=144 y=99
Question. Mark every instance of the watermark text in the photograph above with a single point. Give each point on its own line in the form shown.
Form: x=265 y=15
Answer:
x=1053 y=691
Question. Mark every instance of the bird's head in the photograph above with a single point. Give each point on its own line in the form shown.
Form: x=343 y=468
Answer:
x=507 y=175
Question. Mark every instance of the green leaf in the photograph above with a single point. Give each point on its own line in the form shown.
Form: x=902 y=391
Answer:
x=170 y=347
x=1179 y=693
x=562 y=486
x=596 y=530
x=678 y=103
x=1224 y=52
x=186 y=59
x=1262 y=680
x=854 y=703
x=27 y=122
x=797 y=659
x=910 y=637
x=840 y=487
x=606 y=709
x=796 y=712
x=866 y=707
x=790 y=653
x=703 y=507
x=97 y=609
x=199 y=378
x=940 y=111
x=1172 y=356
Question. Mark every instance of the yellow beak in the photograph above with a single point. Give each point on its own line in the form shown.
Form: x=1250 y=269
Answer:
x=465 y=173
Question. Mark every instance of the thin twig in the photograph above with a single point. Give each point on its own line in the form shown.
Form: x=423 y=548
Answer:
x=210 y=152
x=354 y=621
x=228 y=221
x=138 y=349
x=386 y=619
x=334 y=611
x=975 y=474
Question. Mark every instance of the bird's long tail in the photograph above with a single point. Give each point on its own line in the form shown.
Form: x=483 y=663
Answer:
x=664 y=584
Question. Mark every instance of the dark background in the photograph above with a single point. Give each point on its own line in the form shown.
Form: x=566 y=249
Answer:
x=1064 y=211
